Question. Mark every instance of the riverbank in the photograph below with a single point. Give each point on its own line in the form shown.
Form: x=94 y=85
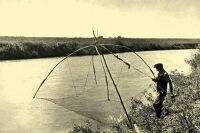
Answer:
x=24 y=77
x=40 y=47
x=180 y=113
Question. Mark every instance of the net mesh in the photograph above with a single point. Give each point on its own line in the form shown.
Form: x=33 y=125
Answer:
x=79 y=84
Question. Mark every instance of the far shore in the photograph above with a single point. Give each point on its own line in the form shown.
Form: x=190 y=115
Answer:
x=12 y=48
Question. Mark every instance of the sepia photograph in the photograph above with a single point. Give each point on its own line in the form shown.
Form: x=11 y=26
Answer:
x=99 y=66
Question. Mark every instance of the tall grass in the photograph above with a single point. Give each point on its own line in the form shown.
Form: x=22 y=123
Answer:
x=29 y=50
x=47 y=47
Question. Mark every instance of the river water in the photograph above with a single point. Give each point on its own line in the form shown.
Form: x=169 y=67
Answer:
x=19 y=79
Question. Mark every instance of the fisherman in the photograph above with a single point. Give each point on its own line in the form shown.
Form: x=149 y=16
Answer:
x=161 y=80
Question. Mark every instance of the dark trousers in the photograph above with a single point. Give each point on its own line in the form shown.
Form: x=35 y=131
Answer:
x=158 y=104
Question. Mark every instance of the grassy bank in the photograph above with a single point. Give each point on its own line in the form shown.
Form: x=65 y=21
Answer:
x=181 y=114
x=29 y=47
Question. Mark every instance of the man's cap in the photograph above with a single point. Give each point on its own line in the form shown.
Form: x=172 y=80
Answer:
x=158 y=65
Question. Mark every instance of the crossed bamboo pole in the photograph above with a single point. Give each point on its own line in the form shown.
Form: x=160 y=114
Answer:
x=96 y=45
x=113 y=81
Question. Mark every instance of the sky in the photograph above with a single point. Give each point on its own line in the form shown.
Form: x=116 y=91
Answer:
x=111 y=18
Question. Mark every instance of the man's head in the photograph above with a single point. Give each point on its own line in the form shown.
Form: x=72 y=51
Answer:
x=159 y=67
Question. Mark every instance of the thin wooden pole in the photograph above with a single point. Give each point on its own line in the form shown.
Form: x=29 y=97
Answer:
x=95 y=38
x=113 y=81
x=104 y=70
x=94 y=70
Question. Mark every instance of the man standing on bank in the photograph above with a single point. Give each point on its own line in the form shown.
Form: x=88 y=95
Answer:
x=161 y=80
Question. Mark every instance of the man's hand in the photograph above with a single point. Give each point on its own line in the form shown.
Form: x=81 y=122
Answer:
x=154 y=80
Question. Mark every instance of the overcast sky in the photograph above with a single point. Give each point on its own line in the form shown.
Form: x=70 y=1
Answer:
x=77 y=18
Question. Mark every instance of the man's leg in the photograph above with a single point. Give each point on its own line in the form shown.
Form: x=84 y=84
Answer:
x=161 y=100
x=158 y=109
x=158 y=104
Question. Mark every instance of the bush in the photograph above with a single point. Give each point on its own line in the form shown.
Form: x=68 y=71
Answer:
x=26 y=48
x=181 y=114
x=87 y=128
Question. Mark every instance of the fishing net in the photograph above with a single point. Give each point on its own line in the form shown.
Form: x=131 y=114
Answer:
x=82 y=84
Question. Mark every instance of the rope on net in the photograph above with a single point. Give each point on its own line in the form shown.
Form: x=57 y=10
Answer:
x=132 y=52
x=70 y=71
x=85 y=84
x=57 y=65
x=128 y=64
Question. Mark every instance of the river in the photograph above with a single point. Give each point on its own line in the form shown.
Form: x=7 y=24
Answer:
x=19 y=79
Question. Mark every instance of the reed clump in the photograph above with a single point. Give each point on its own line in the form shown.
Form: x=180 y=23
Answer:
x=27 y=48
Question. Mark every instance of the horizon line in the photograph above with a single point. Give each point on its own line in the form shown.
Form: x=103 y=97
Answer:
x=102 y=36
